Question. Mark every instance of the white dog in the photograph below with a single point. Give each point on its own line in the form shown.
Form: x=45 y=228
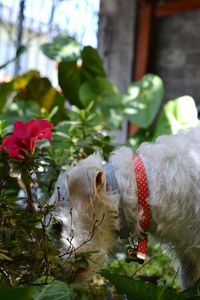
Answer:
x=156 y=191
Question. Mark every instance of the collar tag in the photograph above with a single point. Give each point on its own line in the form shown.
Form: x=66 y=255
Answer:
x=137 y=249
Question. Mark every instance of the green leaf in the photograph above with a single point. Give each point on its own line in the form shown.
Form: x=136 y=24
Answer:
x=177 y=114
x=53 y=112
x=19 y=293
x=31 y=86
x=36 y=88
x=142 y=100
x=19 y=82
x=107 y=101
x=5 y=91
x=140 y=289
x=69 y=78
x=71 y=74
x=100 y=90
x=41 y=91
x=56 y=290
x=63 y=48
x=92 y=64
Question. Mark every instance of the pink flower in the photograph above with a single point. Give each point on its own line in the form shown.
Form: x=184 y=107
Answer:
x=25 y=137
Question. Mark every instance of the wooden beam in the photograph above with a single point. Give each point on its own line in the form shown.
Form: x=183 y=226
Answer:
x=175 y=7
x=143 y=38
x=142 y=44
x=146 y=13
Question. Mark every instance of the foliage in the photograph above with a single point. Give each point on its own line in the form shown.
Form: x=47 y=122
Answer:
x=82 y=109
x=79 y=136
x=31 y=87
x=28 y=249
x=43 y=289
x=82 y=77
x=62 y=48
x=143 y=99
x=177 y=114
x=139 y=289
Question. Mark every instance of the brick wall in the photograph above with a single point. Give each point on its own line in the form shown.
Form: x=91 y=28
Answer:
x=176 y=52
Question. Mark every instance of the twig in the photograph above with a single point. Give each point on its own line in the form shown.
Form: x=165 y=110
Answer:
x=95 y=226
x=45 y=250
x=146 y=262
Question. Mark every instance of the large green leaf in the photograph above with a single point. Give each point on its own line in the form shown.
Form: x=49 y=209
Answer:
x=141 y=290
x=71 y=74
x=92 y=64
x=56 y=290
x=177 y=114
x=75 y=66
x=69 y=78
x=63 y=48
x=142 y=100
x=31 y=86
x=40 y=90
x=19 y=82
x=106 y=97
x=5 y=91
x=99 y=90
x=35 y=89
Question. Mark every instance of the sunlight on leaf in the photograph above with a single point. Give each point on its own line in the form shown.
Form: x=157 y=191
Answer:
x=177 y=114
x=142 y=100
x=62 y=48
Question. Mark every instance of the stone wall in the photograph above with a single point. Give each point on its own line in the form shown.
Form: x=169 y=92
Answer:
x=176 y=54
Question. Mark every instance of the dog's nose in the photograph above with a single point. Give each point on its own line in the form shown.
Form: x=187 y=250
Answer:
x=57 y=228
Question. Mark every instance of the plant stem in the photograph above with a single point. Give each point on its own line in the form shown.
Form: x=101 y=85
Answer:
x=31 y=205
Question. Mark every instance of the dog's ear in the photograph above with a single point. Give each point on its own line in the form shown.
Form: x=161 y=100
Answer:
x=98 y=181
x=85 y=183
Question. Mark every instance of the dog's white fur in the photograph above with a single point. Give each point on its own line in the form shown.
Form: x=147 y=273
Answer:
x=173 y=171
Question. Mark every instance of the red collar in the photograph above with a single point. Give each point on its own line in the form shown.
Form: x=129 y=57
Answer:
x=143 y=195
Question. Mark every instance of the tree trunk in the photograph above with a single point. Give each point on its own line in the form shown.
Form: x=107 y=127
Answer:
x=116 y=36
x=116 y=39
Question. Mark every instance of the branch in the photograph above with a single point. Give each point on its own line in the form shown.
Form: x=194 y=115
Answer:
x=95 y=225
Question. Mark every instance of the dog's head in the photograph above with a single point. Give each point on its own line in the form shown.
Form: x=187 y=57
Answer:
x=86 y=181
x=88 y=213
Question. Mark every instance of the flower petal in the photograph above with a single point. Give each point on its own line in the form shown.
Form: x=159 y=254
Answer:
x=25 y=136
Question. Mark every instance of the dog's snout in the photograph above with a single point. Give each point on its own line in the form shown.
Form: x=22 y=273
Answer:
x=57 y=228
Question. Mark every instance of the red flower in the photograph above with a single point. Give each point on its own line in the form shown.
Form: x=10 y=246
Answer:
x=25 y=137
